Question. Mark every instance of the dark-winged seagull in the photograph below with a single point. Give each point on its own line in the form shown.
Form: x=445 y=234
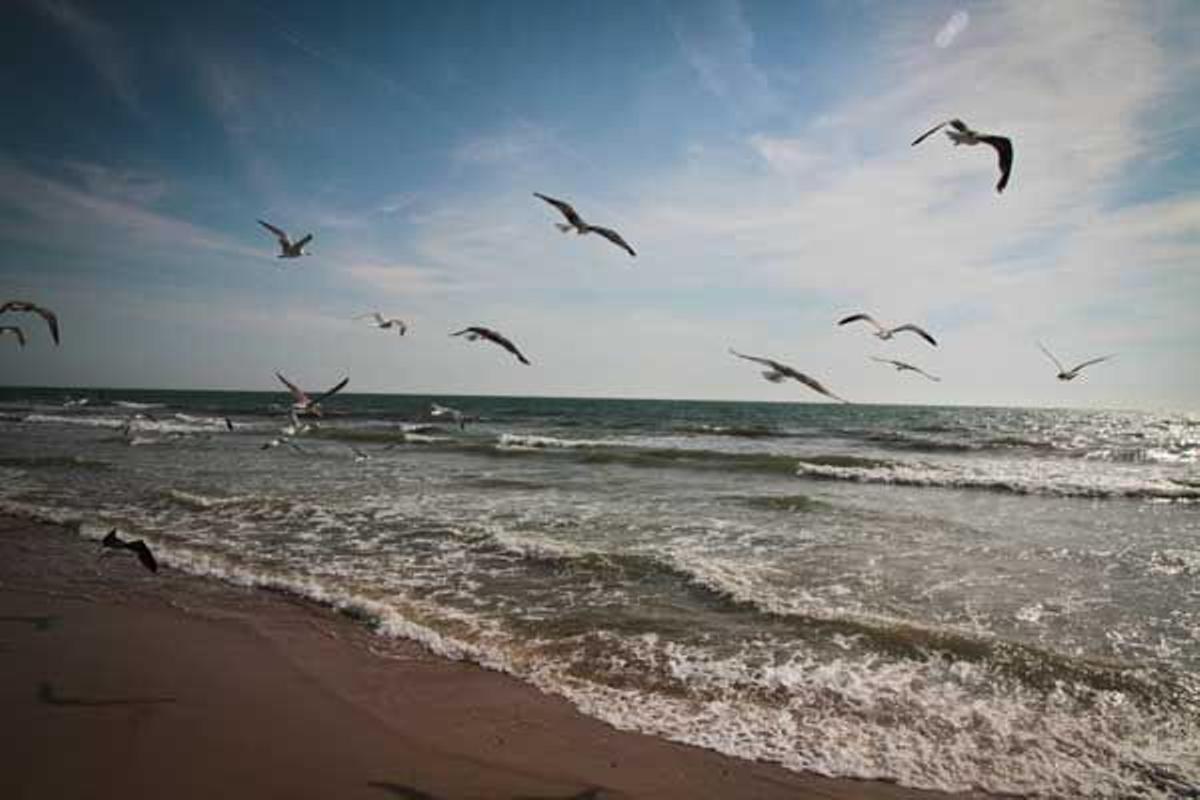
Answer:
x=288 y=248
x=477 y=332
x=20 y=334
x=1065 y=374
x=961 y=134
x=778 y=372
x=27 y=307
x=137 y=546
x=303 y=404
x=887 y=333
x=902 y=366
x=380 y=321
x=576 y=223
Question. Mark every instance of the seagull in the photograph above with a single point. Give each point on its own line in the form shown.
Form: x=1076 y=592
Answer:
x=964 y=135
x=20 y=334
x=359 y=455
x=295 y=427
x=228 y=424
x=476 y=332
x=309 y=405
x=445 y=411
x=901 y=367
x=887 y=333
x=576 y=223
x=136 y=546
x=288 y=248
x=281 y=440
x=1065 y=374
x=381 y=321
x=778 y=372
x=26 y=306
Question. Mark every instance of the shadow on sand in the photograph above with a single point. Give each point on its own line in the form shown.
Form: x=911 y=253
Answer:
x=410 y=793
x=47 y=695
x=43 y=623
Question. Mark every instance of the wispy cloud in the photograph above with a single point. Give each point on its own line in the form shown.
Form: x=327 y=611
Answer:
x=953 y=28
x=718 y=43
x=100 y=44
x=515 y=142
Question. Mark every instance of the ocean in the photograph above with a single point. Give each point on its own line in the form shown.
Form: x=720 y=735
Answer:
x=949 y=598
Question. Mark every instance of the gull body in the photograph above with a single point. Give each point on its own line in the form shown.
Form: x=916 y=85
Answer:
x=885 y=333
x=380 y=321
x=288 y=248
x=574 y=222
x=459 y=417
x=24 y=306
x=1065 y=374
x=902 y=366
x=960 y=134
x=778 y=372
x=476 y=332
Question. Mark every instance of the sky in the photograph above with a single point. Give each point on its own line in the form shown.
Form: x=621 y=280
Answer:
x=755 y=154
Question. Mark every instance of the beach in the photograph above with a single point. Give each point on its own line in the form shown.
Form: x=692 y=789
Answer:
x=120 y=683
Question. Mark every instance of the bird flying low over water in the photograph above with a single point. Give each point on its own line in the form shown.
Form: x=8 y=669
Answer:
x=902 y=366
x=459 y=417
x=380 y=321
x=288 y=248
x=778 y=372
x=13 y=329
x=476 y=332
x=1065 y=374
x=961 y=134
x=137 y=546
x=26 y=306
x=887 y=333
x=576 y=223
x=303 y=404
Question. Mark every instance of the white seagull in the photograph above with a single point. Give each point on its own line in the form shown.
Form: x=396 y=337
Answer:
x=887 y=333
x=309 y=405
x=961 y=134
x=459 y=417
x=778 y=372
x=1065 y=374
x=576 y=223
x=380 y=321
x=288 y=248
x=902 y=366
x=25 y=306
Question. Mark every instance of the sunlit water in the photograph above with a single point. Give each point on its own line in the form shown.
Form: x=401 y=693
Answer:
x=948 y=597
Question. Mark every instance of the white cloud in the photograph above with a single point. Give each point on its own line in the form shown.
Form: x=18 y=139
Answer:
x=99 y=44
x=953 y=28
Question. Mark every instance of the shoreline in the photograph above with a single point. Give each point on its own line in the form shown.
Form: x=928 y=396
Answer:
x=123 y=683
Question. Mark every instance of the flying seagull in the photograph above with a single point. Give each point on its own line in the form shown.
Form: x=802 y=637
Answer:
x=44 y=313
x=309 y=405
x=20 y=334
x=381 y=321
x=778 y=372
x=1065 y=374
x=136 y=546
x=476 y=332
x=576 y=223
x=459 y=417
x=281 y=440
x=359 y=455
x=961 y=134
x=887 y=333
x=288 y=248
x=902 y=366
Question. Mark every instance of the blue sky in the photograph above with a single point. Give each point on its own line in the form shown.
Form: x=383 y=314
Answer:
x=755 y=154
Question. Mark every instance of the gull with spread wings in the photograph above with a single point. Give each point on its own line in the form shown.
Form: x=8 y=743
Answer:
x=1065 y=374
x=380 y=321
x=476 y=332
x=887 y=333
x=901 y=366
x=778 y=372
x=575 y=222
x=27 y=307
x=288 y=248
x=137 y=547
x=961 y=134
x=302 y=403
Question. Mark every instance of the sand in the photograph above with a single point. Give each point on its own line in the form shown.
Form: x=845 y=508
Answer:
x=122 y=684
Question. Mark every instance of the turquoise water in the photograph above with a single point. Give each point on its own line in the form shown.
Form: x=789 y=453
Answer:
x=1006 y=599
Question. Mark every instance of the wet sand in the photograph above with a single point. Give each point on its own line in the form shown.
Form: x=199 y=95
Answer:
x=122 y=684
